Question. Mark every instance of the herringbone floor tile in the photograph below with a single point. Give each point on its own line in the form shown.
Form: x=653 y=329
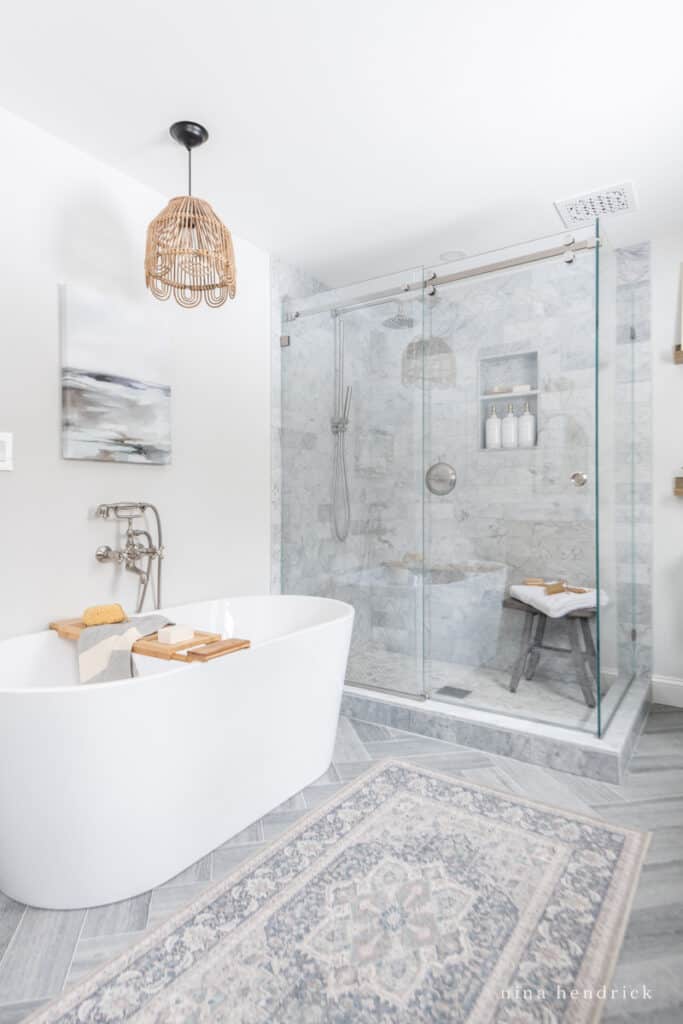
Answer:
x=43 y=951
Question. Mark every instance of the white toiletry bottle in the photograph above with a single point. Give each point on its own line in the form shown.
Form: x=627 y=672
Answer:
x=493 y=430
x=526 y=428
x=510 y=429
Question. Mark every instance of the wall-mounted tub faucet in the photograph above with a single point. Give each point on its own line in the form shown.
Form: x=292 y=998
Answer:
x=138 y=548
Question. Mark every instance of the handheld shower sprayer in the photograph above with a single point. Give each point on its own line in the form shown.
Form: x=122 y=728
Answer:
x=347 y=403
x=340 y=421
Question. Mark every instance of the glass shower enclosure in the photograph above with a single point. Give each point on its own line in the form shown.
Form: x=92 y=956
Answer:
x=447 y=434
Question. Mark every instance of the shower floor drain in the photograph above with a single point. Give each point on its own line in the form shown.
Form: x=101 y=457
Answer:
x=452 y=693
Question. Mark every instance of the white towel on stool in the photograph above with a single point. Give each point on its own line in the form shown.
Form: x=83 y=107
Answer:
x=555 y=605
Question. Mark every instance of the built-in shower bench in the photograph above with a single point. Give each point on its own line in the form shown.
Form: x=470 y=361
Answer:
x=582 y=655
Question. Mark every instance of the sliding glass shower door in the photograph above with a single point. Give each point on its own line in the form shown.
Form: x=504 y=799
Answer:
x=352 y=448
x=513 y=421
x=516 y=422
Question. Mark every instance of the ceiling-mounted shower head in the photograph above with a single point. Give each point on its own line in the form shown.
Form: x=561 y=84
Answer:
x=399 y=320
x=604 y=202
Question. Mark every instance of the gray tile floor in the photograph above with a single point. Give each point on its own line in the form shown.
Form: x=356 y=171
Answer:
x=42 y=952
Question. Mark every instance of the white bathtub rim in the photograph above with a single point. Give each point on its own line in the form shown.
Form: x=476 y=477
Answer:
x=172 y=668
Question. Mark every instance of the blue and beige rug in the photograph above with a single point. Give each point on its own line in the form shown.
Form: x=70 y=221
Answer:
x=410 y=897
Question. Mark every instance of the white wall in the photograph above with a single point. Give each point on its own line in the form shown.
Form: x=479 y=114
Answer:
x=667 y=256
x=67 y=218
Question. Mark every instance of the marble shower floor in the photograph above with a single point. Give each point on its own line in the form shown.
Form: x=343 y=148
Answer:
x=543 y=698
x=43 y=952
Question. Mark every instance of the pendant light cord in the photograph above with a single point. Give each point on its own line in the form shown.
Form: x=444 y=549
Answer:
x=189 y=171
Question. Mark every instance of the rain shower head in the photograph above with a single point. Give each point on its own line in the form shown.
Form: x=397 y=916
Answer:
x=399 y=321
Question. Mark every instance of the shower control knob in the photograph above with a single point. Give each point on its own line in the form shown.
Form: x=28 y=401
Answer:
x=579 y=479
x=107 y=554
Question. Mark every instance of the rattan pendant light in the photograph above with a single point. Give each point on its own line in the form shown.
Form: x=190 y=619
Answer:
x=189 y=250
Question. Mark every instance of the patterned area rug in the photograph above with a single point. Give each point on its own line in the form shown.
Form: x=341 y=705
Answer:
x=410 y=897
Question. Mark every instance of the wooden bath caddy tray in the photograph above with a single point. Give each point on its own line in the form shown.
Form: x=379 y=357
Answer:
x=201 y=647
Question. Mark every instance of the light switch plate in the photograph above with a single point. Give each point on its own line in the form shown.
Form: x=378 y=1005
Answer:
x=6 y=462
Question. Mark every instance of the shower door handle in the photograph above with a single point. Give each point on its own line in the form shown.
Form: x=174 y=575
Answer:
x=441 y=478
x=579 y=479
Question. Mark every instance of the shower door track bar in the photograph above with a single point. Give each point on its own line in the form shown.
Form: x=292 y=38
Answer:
x=434 y=280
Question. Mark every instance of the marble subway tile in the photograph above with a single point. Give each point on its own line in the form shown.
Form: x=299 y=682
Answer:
x=606 y=763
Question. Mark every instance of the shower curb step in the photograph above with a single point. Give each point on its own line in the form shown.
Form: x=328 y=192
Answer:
x=556 y=747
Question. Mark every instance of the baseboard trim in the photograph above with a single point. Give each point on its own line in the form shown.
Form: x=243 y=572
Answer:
x=667 y=690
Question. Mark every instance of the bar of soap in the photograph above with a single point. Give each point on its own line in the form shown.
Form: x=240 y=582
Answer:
x=103 y=615
x=175 y=634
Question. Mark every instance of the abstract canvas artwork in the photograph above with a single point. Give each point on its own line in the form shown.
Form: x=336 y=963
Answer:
x=116 y=403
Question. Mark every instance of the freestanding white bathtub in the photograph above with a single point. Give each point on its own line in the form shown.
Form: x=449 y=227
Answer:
x=109 y=789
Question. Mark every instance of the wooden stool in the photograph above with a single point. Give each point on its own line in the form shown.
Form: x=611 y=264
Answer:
x=532 y=644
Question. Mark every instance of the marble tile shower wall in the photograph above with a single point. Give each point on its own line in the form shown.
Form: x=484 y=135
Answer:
x=285 y=281
x=511 y=509
x=633 y=451
x=517 y=509
x=384 y=461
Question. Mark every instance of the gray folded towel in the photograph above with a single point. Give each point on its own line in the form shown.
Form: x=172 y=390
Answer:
x=104 y=652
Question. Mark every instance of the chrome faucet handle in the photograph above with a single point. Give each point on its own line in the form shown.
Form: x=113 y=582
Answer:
x=105 y=553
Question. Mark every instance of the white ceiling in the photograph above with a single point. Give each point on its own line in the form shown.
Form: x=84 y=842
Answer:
x=359 y=136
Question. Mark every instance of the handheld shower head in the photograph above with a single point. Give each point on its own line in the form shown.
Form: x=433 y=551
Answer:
x=347 y=403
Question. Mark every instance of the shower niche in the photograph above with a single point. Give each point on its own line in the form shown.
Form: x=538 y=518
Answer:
x=508 y=379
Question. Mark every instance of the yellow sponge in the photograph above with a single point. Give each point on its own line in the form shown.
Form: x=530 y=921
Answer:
x=104 y=615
